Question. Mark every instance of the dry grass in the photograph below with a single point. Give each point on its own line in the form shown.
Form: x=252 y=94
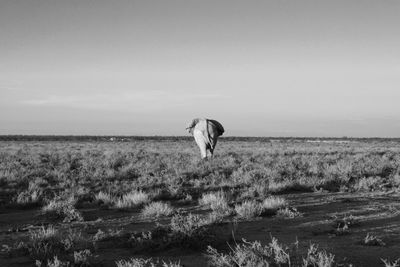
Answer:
x=249 y=209
x=63 y=208
x=132 y=200
x=157 y=209
x=371 y=240
x=289 y=212
x=105 y=198
x=272 y=254
x=43 y=234
x=389 y=263
x=217 y=202
x=140 y=262
x=271 y=204
x=129 y=175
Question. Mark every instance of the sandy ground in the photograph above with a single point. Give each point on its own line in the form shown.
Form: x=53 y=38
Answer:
x=376 y=213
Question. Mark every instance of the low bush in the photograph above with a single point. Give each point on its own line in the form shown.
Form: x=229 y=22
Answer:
x=140 y=262
x=60 y=207
x=249 y=209
x=104 y=198
x=289 y=212
x=157 y=209
x=272 y=254
x=371 y=240
x=132 y=200
x=271 y=204
x=217 y=202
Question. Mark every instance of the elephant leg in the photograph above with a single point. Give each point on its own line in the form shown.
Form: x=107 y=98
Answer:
x=212 y=146
x=199 y=138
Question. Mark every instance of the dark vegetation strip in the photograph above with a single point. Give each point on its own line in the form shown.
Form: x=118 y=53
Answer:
x=97 y=138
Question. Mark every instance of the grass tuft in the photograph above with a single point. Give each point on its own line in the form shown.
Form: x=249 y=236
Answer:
x=249 y=209
x=132 y=200
x=157 y=209
x=271 y=204
x=217 y=202
x=371 y=240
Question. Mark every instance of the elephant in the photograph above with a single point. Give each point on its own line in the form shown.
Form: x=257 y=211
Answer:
x=206 y=133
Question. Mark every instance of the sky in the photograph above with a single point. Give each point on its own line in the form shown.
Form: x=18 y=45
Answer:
x=261 y=68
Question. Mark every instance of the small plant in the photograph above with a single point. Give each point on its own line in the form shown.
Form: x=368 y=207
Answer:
x=249 y=209
x=318 y=258
x=251 y=254
x=341 y=230
x=186 y=225
x=157 y=209
x=132 y=200
x=289 y=212
x=48 y=241
x=217 y=202
x=43 y=234
x=134 y=262
x=63 y=208
x=100 y=235
x=388 y=263
x=272 y=254
x=81 y=258
x=104 y=197
x=29 y=197
x=71 y=239
x=208 y=199
x=371 y=240
x=348 y=220
x=55 y=262
x=139 y=262
x=271 y=204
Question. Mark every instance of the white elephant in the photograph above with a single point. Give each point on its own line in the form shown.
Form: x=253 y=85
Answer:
x=206 y=133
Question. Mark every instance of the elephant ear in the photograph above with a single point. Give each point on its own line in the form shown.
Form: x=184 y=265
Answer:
x=192 y=124
x=218 y=127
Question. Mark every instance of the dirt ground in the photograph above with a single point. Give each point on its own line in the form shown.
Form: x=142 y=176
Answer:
x=375 y=213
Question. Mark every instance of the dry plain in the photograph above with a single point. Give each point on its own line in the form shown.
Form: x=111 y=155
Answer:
x=258 y=202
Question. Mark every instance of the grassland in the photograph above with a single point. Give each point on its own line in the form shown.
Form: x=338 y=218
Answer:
x=152 y=202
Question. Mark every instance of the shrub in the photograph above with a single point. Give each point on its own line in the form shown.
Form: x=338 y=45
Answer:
x=388 y=263
x=105 y=198
x=111 y=233
x=157 y=209
x=139 y=262
x=43 y=234
x=217 y=202
x=30 y=196
x=48 y=241
x=132 y=200
x=134 y=262
x=289 y=212
x=318 y=258
x=272 y=254
x=250 y=254
x=249 y=209
x=186 y=225
x=81 y=258
x=272 y=204
x=55 y=262
x=63 y=208
x=371 y=240
x=44 y=242
x=345 y=220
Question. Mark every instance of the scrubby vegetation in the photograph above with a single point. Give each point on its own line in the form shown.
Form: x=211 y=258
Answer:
x=157 y=209
x=78 y=199
x=272 y=254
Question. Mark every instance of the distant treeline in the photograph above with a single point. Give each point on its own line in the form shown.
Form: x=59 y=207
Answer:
x=110 y=138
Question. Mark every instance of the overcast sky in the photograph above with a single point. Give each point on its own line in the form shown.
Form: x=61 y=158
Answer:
x=261 y=68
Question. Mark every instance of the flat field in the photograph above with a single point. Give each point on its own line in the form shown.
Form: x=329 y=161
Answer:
x=155 y=203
